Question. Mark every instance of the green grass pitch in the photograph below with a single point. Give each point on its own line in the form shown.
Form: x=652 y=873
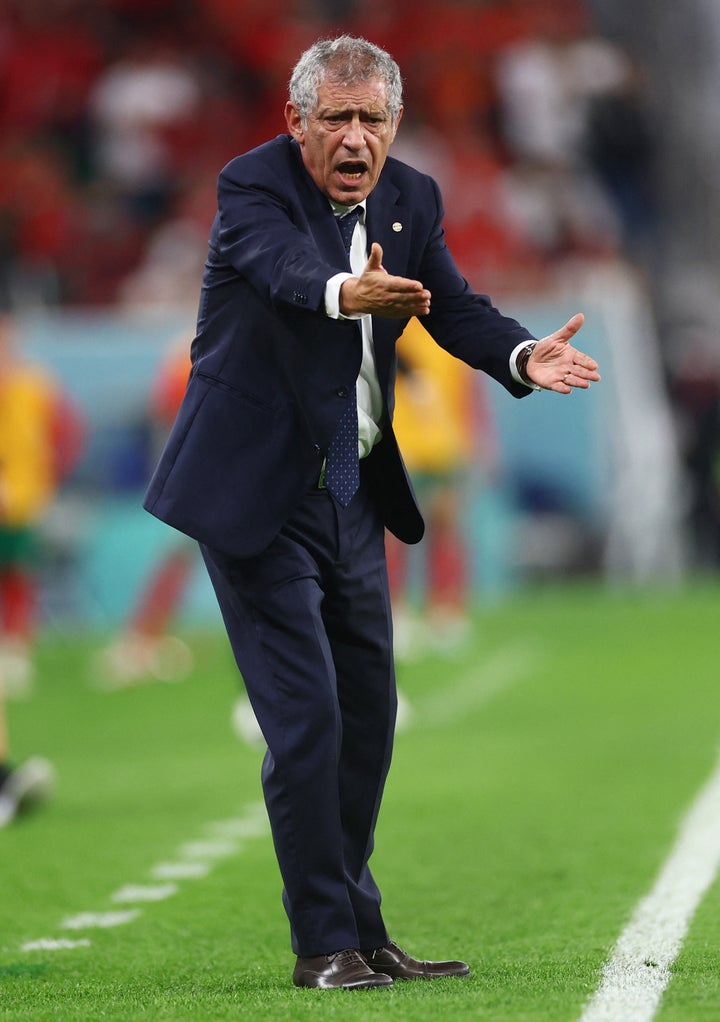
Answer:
x=534 y=796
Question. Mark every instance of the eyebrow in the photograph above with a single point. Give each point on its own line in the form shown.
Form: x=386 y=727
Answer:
x=349 y=111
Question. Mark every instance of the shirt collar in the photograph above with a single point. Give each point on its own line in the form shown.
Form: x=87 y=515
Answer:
x=339 y=210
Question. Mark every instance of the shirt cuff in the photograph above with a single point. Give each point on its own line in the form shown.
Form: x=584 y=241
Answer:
x=332 y=296
x=514 y=370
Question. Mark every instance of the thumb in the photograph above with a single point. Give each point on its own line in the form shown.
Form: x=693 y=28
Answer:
x=572 y=326
x=375 y=260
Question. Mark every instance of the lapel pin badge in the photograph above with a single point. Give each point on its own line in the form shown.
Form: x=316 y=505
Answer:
x=397 y=226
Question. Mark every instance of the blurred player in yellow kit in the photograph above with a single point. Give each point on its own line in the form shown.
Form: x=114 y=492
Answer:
x=443 y=429
x=40 y=440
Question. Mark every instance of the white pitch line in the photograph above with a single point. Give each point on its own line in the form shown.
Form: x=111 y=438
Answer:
x=180 y=870
x=209 y=849
x=53 y=944
x=131 y=893
x=501 y=671
x=99 y=920
x=638 y=971
x=251 y=826
x=191 y=866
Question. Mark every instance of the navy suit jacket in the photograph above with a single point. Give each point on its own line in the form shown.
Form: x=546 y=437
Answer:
x=272 y=373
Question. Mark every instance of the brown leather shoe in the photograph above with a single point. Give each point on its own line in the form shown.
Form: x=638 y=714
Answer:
x=345 y=970
x=394 y=962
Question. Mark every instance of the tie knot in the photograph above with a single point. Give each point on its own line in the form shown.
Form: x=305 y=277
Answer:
x=346 y=224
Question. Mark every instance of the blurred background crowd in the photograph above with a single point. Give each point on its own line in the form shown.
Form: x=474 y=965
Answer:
x=574 y=142
x=116 y=116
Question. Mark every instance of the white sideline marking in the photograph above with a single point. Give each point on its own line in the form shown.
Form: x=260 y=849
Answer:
x=180 y=870
x=638 y=971
x=99 y=920
x=253 y=824
x=53 y=944
x=142 y=892
x=467 y=693
x=209 y=849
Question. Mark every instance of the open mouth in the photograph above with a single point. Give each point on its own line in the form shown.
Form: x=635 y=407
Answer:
x=352 y=170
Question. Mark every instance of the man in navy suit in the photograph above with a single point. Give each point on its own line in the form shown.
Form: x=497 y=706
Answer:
x=283 y=465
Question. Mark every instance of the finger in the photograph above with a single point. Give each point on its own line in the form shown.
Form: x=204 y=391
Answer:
x=376 y=256
x=577 y=378
x=409 y=301
x=407 y=304
x=584 y=362
x=403 y=286
x=583 y=367
x=586 y=373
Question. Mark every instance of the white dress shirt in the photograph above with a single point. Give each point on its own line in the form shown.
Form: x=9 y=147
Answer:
x=369 y=395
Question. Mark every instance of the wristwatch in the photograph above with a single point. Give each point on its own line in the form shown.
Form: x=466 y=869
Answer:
x=521 y=362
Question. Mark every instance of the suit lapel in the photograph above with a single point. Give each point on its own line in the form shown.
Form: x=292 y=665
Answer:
x=388 y=223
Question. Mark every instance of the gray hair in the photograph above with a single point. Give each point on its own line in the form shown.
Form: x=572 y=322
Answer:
x=346 y=59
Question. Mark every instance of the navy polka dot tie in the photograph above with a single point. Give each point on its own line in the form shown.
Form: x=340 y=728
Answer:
x=346 y=225
x=342 y=469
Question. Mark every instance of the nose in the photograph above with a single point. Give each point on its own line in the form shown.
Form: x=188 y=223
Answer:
x=354 y=135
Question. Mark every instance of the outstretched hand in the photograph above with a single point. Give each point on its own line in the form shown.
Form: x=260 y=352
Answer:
x=556 y=365
x=377 y=293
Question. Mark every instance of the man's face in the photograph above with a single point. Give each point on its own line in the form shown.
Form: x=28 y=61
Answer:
x=347 y=138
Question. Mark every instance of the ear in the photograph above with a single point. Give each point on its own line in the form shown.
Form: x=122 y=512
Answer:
x=294 y=122
x=396 y=124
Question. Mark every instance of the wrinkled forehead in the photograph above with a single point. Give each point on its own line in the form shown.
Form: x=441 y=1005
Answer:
x=333 y=93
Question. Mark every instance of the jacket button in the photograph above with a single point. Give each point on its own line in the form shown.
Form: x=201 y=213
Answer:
x=342 y=392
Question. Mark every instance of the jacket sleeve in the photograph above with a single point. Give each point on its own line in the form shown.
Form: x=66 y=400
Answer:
x=261 y=232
